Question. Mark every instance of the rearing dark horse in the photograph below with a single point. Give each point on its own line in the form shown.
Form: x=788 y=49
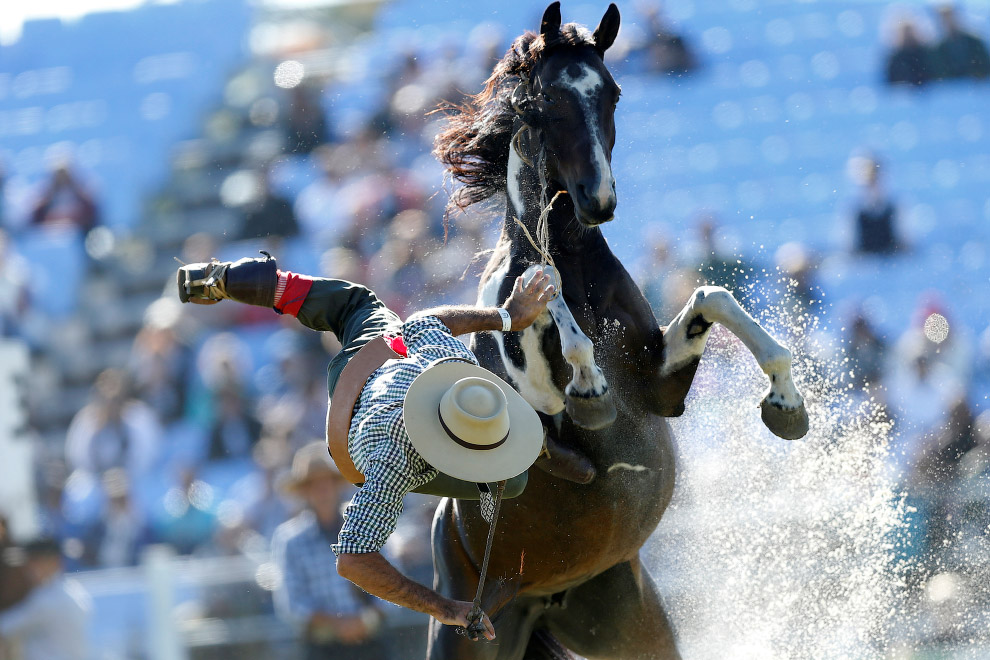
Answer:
x=565 y=569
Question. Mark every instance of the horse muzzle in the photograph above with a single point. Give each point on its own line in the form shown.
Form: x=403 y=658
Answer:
x=594 y=204
x=593 y=213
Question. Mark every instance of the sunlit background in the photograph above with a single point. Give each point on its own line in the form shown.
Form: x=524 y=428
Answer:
x=762 y=145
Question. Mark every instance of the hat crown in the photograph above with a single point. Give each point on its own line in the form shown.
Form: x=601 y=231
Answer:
x=475 y=412
x=479 y=400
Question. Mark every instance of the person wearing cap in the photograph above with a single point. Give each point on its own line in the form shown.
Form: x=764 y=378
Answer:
x=50 y=623
x=432 y=409
x=336 y=619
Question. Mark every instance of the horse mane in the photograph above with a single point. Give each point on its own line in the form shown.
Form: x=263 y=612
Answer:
x=474 y=144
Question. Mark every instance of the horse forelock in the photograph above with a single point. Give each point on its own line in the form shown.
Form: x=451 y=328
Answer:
x=474 y=144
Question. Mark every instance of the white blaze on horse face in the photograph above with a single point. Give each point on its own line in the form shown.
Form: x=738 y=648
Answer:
x=585 y=85
x=514 y=183
x=534 y=381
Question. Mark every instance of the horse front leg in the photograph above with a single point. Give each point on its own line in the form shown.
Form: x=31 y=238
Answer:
x=587 y=398
x=684 y=340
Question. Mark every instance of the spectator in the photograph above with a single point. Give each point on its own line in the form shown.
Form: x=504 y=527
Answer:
x=264 y=507
x=876 y=213
x=336 y=618
x=270 y=214
x=306 y=126
x=975 y=463
x=4 y=220
x=223 y=363
x=50 y=624
x=187 y=520
x=14 y=298
x=14 y=583
x=718 y=268
x=934 y=333
x=910 y=61
x=323 y=207
x=52 y=476
x=235 y=430
x=940 y=474
x=920 y=399
x=953 y=440
x=959 y=54
x=66 y=202
x=797 y=264
x=113 y=430
x=159 y=363
x=667 y=51
x=16 y=200
x=654 y=268
x=123 y=532
x=867 y=351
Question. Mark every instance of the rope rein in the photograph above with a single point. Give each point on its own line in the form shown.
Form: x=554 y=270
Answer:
x=476 y=627
x=542 y=242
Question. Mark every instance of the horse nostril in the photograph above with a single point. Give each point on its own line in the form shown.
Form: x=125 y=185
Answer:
x=584 y=197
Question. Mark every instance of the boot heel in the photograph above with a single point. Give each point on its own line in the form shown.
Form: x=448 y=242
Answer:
x=190 y=282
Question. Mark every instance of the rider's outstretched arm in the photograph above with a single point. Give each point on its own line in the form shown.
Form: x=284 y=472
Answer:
x=373 y=573
x=524 y=304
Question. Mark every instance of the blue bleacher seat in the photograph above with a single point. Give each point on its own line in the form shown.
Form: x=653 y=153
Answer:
x=100 y=52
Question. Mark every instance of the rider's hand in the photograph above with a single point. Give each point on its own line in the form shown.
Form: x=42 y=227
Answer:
x=527 y=301
x=456 y=614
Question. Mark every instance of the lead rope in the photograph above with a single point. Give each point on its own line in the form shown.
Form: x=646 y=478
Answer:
x=476 y=628
x=542 y=244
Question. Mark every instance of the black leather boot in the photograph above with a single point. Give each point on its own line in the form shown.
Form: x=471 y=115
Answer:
x=249 y=280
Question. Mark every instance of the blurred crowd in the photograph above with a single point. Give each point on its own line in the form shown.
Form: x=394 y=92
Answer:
x=957 y=53
x=190 y=441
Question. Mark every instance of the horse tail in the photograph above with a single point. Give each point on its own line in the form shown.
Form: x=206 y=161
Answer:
x=544 y=646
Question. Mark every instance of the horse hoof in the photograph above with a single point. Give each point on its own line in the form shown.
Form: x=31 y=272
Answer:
x=786 y=423
x=592 y=413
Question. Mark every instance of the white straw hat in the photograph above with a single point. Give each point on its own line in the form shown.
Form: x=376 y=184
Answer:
x=470 y=424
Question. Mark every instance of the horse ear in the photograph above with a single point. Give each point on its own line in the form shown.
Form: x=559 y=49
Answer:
x=607 y=30
x=550 y=27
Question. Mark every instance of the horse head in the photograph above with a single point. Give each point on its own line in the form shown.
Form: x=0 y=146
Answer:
x=568 y=100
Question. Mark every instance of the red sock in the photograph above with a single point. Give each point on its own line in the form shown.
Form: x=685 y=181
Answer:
x=291 y=292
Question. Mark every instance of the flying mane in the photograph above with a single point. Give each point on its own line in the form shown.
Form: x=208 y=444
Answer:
x=474 y=145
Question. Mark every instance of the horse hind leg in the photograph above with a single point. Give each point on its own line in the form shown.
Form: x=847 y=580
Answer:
x=544 y=646
x=616 y=615
x=587 y=398
x=782 y=408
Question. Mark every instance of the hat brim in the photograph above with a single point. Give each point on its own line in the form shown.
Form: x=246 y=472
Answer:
x=420 y=414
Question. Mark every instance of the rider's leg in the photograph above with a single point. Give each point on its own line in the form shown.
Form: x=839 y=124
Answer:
x=351 y=311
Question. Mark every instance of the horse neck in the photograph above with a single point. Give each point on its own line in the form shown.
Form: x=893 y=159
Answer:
x=527 y=193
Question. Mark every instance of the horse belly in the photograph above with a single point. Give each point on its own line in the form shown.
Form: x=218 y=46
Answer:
x=568 y=533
